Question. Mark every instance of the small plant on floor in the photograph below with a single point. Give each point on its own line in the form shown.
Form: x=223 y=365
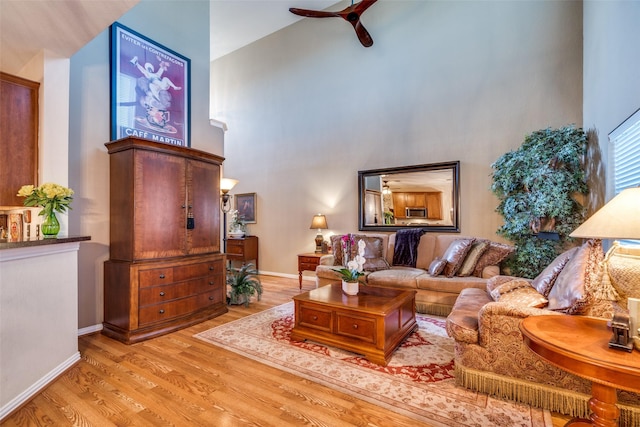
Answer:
x=244 y=283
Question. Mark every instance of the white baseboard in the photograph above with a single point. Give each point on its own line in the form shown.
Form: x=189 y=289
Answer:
x=90 y=329
x=38 y=385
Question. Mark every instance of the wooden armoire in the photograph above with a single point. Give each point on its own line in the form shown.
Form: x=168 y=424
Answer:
x=165 y=269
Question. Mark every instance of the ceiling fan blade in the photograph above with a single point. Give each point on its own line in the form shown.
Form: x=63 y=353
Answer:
x=363 y=34
x=313 y=13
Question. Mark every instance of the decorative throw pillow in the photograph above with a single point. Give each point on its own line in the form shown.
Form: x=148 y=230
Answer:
x=496 y=253
x=519 y=292
x=496 y=281
x=372 y=252
x=545 y=280
x=336 y=248
x=455 y=254
x=437 y=266
x=569 y=293
x=469 y=264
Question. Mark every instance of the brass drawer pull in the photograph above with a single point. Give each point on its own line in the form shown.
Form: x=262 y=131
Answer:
x=355 y=326
x=210 y=268
x=161 y=311
x=162 y=276
x=211 y=297
x=212 y=283
x=315 y=317
x=161 y=294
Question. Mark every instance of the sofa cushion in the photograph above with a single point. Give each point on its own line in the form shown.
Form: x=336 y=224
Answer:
x=519 y=292
x=569 y=292
x=455 y=255
x=449 y=284
x=545 y=280
x=396 y=277
x=496 y=253
x=437 y=266
x=478 y=248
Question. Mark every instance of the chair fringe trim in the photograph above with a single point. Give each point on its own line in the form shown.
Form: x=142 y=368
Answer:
x=539 y=395
x=433 y=309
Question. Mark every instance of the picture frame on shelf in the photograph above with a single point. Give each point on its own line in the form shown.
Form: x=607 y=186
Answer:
x=245 y=204
x=150 y=89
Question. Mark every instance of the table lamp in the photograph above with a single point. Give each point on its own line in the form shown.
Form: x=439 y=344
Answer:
x=618 y=219
x=319 y=222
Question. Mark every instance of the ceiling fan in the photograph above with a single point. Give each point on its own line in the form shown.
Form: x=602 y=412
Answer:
x=350 y=14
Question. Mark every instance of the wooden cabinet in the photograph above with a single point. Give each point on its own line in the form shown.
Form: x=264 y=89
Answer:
x=19 y=142
x=432 y=201
x=165 y=270
x=243 y=249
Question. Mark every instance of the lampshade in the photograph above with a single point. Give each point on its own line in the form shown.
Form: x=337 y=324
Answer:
x=226 y=184
x=319 y=222
x=618 y=219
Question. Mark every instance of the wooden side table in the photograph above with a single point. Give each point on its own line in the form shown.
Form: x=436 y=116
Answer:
x=308 y=262
x=580 y=345
x=243 y=249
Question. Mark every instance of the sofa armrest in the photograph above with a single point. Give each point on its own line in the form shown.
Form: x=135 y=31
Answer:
x=499 y=322
x=327 y=259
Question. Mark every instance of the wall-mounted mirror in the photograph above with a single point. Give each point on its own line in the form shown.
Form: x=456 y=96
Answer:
x=420 y=196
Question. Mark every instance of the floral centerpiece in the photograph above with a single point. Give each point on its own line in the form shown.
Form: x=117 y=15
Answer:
x=52 y=198
x=355 y=267
x=237 y=226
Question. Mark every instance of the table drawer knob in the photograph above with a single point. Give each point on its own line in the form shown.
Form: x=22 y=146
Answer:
x=315 y=317
x=355 y=326
x=161 y=311
x=161 y=294
x=212 y=282
x=211 y=297
x=210 y=268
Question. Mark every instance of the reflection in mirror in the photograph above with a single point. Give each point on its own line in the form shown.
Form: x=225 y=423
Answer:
x=420 y=196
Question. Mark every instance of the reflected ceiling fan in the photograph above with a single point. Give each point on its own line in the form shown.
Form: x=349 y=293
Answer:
x=350 y=14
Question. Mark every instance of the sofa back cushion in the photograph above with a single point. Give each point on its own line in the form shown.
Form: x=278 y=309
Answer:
x=455 y=255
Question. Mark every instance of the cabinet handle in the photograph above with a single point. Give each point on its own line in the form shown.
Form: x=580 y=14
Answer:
x=355 y=326
x=162 y=276
x=211 y=268
x=161 y=294
x=161 y=311
x=315 y=317
x=211 y=297
x=212 y=283
x=184 y=206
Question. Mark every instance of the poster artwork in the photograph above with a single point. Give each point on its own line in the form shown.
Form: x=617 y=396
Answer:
x=150 y=89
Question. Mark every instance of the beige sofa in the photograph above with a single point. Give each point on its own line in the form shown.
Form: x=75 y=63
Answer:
x=435 y=294
x=491 y=356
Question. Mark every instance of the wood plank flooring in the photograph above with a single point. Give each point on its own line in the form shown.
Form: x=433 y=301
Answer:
x=177 y=380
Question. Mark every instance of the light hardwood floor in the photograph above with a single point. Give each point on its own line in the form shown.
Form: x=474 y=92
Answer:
x=177 y=380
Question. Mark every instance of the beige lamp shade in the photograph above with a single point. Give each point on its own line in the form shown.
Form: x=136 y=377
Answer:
x=226 y=184
x=618 y=219
x=319 y=222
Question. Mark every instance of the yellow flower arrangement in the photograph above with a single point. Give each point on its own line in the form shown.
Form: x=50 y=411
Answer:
x=52 y=197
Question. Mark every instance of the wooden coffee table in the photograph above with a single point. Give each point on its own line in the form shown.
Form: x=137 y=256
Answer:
x=373 y=323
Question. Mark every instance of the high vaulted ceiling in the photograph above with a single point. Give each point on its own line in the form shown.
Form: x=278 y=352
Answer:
x=64 y=26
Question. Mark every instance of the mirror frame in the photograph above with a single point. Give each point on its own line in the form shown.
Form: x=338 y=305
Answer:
x=452 y=228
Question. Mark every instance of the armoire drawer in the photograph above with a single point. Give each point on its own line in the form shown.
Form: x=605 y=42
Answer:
x=165 y=311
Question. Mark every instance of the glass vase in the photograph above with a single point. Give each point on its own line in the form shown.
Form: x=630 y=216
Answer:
x=50 y=226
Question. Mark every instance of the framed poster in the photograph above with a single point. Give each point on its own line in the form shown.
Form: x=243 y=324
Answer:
x=246 y=207
x=150 y=89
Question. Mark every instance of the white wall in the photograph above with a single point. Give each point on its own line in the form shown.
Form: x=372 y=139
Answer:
x=611 y=71
x=182 y=26
x=308 y=106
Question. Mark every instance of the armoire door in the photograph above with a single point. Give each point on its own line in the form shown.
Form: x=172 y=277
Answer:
x=203 y=189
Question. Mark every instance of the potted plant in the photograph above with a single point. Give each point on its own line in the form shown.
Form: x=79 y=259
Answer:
x=354 y=269
x=237 y=227
x=244 y=283
x=539 y=187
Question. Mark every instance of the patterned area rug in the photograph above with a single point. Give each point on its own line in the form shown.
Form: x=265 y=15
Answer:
x=418 y=382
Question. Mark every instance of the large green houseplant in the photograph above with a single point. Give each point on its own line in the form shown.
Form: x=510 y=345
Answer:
x=537 y=186
x=243 y=284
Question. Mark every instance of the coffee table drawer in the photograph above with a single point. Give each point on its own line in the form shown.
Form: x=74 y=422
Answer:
x=356 y=327
x=317 y=319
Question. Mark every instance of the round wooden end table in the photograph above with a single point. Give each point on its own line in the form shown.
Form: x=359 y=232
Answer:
x=580 y=345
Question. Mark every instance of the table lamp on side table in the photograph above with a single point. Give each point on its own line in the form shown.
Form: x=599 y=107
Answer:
x=319 y=222
x=618 y=219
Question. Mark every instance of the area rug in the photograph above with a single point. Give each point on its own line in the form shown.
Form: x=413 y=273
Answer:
x=418 y=381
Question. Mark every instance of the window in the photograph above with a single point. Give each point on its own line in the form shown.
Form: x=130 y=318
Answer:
x=625 y=145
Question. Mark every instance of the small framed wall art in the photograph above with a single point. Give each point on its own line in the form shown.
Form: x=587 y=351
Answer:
x=246 y=207
x=150 y=89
